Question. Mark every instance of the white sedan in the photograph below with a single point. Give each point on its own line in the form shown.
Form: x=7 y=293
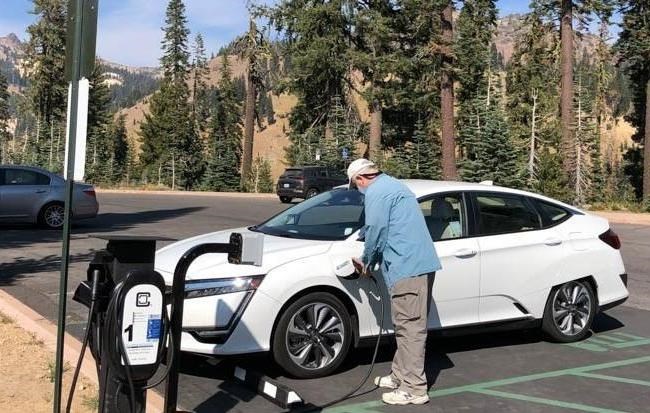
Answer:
x=509 y=258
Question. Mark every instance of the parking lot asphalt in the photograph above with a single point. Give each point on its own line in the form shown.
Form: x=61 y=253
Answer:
x=511 y=371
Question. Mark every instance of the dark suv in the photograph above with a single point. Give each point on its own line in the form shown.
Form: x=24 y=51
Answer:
x=307 y=181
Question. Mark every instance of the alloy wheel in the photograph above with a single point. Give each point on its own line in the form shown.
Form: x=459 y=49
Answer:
x=53 y=216
x=315 y=336
x=571 y=308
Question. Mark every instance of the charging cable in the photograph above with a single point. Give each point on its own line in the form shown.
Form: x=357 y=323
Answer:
x=91 y=314
x=372 y=363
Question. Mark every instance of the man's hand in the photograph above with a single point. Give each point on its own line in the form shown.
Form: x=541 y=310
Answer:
x=361 y=269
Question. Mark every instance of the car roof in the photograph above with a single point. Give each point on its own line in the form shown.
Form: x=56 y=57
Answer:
x=28 y=167
x=421 y=187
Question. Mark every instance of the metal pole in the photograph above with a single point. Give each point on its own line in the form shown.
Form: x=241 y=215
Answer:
x=176 y=319
x=69 y=187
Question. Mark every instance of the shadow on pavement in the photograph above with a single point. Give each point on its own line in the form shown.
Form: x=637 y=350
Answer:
x=20 y=267
x=19 y=236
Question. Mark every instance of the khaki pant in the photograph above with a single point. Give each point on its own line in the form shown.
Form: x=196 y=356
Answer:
x=410 y=301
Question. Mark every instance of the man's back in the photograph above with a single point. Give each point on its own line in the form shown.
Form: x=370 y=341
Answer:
x=396 y=233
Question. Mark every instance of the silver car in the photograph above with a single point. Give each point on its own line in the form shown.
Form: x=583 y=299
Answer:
x=34 y=195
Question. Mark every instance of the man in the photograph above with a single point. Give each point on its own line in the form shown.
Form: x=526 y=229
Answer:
x=396 y=237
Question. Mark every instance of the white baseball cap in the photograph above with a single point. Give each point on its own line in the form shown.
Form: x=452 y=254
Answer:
x=358 y=167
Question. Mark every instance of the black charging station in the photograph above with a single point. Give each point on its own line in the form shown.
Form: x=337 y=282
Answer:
x=129 y=332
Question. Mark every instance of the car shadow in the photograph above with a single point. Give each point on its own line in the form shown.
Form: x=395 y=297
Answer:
x=229 y=392
x=19 y=236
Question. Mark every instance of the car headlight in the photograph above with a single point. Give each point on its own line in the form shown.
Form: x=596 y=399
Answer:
x=204 y=288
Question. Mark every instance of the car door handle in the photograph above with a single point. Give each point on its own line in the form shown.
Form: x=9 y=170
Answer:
x=553 y=242
x=41 y=191
x=465 y=253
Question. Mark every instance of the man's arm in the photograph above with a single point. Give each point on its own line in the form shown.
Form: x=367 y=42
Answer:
x=376 y=234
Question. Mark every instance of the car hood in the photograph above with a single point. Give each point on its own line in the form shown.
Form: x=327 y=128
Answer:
x=277 y=251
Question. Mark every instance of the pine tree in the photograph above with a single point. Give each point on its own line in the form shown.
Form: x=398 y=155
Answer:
x=170 y=144
x=473 y=48
x=45 y=54
x=99 y=146
x=4 y=120
x=200 y=69
x=223 y=172
x=253 y=49
x=475 y=30
x=532 y=100
x=634 y=48
x=585 y=141
x=374 y=51
x=120 y=145
x=491 y=153
x=425 y=157
x=316 y=39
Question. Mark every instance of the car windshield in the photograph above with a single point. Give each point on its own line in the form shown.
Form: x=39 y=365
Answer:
x=330 y=216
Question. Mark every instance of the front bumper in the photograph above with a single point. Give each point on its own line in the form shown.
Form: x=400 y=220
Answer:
x=242 y=328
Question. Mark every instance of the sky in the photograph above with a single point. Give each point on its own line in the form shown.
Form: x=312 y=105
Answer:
x=129 y=31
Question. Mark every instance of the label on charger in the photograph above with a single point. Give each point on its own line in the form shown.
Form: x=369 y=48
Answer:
x=142 y=324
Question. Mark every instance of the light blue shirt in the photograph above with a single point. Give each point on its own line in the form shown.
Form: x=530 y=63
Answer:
x=396 y=235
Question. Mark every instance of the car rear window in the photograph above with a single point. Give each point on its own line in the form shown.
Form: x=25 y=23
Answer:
x=293 y=172
x=551 y=214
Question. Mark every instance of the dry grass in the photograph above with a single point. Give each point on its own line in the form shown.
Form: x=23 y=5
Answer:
x=27 y=371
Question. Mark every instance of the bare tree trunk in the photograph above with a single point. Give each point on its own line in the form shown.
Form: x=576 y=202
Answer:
x=173 y=172
x=249 y=124
x=51 y=145
x=578 y=149
x=533 y=131
x=566 y=94
x=489 y=86
x=646 y=146
x=449 y=171
x=374 y=141
x=58 y=146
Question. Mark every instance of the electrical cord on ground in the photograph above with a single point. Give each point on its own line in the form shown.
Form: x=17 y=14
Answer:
x=372 y=363
x=91 y=314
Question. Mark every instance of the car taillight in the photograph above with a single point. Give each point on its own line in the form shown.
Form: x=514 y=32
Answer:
x=90 y=192
x=610 y=238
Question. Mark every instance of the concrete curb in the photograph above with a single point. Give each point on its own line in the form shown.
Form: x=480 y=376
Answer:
x=186 y=193
x=29 y=320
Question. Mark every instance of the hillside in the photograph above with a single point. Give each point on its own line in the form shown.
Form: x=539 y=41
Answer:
x=268 y=143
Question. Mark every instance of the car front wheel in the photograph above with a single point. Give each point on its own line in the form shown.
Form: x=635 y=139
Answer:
x=570 y=311
x=313 y=336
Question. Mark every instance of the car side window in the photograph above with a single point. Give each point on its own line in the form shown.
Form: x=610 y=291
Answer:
x=502 y=213
x=25 y=177
x=323 y=173
x=551 y=214
x=444 y=216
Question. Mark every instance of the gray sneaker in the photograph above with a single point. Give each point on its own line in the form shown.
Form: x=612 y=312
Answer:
x=386 y=382
x=400 y=397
